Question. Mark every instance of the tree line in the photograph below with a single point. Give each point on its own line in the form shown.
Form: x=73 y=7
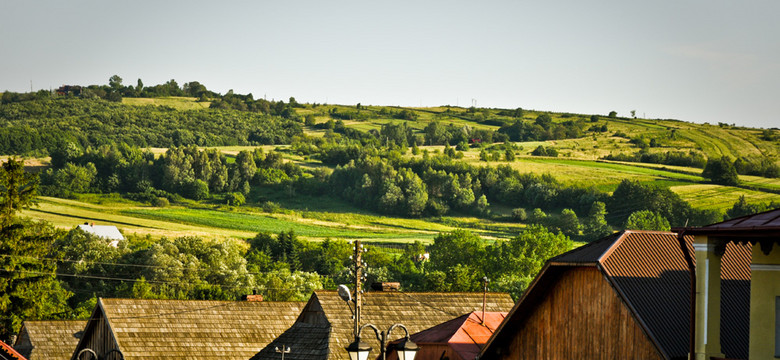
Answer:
x=47 y=273
x=37 y=127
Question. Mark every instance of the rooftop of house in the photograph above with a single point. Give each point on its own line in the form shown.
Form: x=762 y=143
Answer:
x=465 y=335
x=160 y=329
x=649 y=272
x=325 y=326
x=52 y=339
x=109 y=232
x=756 y=225
x=7 y=352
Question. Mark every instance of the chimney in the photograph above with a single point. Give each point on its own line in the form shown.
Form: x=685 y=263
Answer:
x=386 y=286
x=13 y=340
x=254 y=297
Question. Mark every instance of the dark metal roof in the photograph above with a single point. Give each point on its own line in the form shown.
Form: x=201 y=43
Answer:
x=756 y=224
x=649 y=272
x=588 y=253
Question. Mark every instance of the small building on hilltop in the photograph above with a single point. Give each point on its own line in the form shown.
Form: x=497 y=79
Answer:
x=325 y=327
x=461 y=338
x=183 y=329
x=626 y=296
x=54 y=339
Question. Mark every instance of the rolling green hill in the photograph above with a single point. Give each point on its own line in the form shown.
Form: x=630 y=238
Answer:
x=579 y=163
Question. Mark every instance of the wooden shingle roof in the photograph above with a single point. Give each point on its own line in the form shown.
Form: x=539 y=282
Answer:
x=195 y=329
x=648 y=271
x=54 y=340
x=327 y=314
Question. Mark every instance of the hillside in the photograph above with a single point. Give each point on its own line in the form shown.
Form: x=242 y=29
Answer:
x=582 y=143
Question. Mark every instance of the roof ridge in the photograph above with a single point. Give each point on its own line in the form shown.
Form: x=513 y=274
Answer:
x=587 y=246
x=742 y=218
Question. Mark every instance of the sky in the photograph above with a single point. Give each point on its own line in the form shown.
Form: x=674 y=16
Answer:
x=701 y=61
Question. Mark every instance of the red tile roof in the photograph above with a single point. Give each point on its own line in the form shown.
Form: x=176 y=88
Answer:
x=465 y=335
x=7 y=352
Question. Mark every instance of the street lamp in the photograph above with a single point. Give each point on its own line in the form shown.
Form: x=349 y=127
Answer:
x=359 y=350
x=282 y=351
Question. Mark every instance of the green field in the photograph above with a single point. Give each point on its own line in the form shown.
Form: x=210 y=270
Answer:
x=220 y=222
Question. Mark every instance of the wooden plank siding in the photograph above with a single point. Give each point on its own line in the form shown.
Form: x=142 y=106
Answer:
x=581 y=317
x=97 y=336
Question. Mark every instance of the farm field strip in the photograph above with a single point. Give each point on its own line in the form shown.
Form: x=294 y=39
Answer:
x=710 y=196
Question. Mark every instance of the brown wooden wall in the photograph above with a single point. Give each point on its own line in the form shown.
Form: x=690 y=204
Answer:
x=98 y=337
x=580 y=317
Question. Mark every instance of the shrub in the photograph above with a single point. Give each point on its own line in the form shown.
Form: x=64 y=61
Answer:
x=235 y=199
x=161 y=202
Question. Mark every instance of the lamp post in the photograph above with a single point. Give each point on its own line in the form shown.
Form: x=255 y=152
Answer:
x=406 y=349
x=284 y=350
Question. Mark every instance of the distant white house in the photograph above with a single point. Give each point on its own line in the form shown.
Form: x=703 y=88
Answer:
x=108 y=232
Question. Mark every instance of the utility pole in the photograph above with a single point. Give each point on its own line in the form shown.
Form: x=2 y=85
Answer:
x=485 y=282
x=358 y=259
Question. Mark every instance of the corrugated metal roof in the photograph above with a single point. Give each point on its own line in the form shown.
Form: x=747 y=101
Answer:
x=163 y=329
x=649 y=272
x=416 y=311
x=55 y=339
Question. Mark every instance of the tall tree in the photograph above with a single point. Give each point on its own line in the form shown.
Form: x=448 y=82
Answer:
x=28 y=287
x=18 y=189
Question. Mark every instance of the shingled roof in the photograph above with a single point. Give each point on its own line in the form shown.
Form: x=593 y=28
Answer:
x=54 y=340
x=648 y=271
x=178 y=329
x=325 y=326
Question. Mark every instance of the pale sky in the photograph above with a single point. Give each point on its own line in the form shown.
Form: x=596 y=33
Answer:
x=701 y=61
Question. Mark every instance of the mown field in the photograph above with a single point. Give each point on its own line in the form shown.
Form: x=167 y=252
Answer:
x=341 y=222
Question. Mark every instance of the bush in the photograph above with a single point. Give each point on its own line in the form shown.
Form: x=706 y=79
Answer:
x=542 y=151
x=235 y=199
x=271 y=207
x=160 y=202
x=519 y=214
